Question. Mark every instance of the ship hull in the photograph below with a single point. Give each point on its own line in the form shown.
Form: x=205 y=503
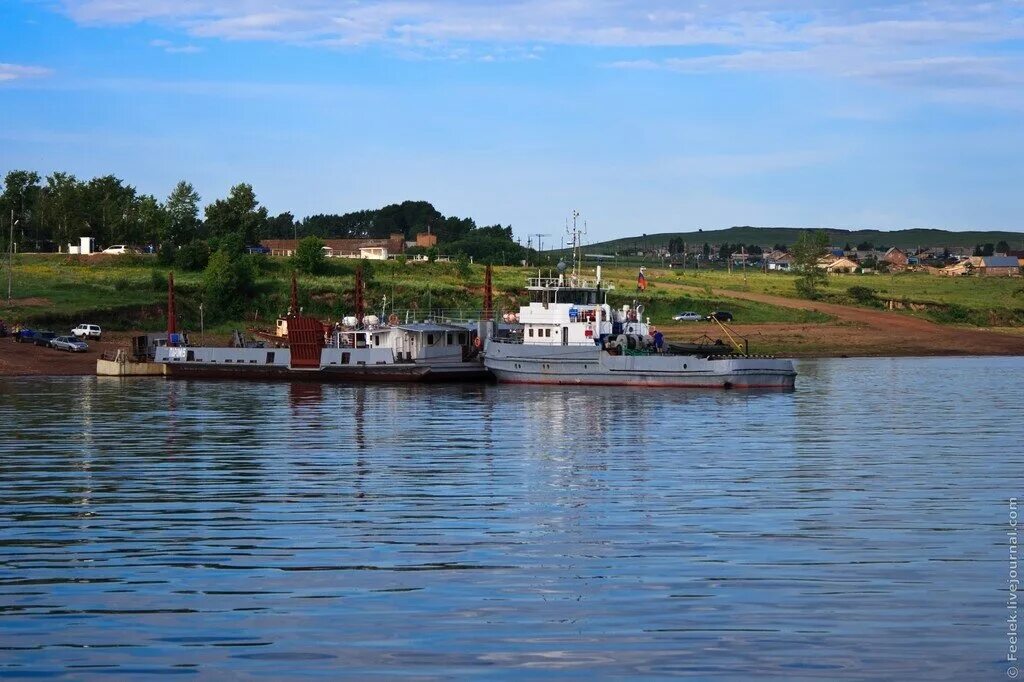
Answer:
x=336 y=365
x=388 y=374
x=591 y=366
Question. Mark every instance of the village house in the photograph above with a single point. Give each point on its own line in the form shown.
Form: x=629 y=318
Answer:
x=896 y=258
x=371 y=249
x=779 y=260
x=999 y=266
x=835 y=266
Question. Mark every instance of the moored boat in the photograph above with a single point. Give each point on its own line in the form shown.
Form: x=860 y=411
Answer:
x=571 y=335
x=359 y=349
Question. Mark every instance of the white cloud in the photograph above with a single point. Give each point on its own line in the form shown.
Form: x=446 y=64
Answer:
x=946 y=45
x=171 y=48
x=11 y=72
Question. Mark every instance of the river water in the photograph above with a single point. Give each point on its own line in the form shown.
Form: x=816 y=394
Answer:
x=857 y=527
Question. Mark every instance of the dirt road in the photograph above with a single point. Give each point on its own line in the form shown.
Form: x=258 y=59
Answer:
x=24 y=359
x=862 y=331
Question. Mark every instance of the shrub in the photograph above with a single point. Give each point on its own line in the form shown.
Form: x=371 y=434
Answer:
x=122 y=284
x=227 y=284
x=193 y=256
x=862 y=295
x=158 y=281
x=309 y=256
x=463 y=266
x=165 y=256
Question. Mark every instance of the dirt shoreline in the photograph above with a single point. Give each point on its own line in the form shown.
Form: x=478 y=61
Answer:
x=876 y=334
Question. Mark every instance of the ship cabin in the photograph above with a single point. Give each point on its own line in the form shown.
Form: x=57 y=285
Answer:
x=361 y=338
x=565 y=311
x=427 y=342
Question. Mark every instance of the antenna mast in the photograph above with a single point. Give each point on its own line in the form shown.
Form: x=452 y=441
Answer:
x=577 y=243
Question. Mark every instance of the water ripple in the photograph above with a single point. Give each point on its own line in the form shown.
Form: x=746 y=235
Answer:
x=854 y=528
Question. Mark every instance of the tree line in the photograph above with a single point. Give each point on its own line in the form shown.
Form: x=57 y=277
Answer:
x=51 y=212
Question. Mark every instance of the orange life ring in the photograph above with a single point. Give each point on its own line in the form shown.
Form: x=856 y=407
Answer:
x=393 y=319
x=478 y=342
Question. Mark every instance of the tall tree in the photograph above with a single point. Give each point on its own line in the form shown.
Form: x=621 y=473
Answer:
x=109 y=209
x=21 y=195
x=150 y=220
x=810 y=248
x=239 y=214
x=63 y=208
x=182 y=208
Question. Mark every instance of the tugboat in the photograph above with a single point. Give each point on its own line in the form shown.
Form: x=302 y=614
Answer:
x=571 y=335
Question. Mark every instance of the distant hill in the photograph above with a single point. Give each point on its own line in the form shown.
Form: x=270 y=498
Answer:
x=769 y=236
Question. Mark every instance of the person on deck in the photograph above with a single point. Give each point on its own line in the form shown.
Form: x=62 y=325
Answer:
x=659 y=341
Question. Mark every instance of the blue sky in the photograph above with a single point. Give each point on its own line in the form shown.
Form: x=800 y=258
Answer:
x=647 y=116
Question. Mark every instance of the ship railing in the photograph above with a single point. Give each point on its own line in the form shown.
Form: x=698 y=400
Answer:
x=568 y=281
x=438 y=315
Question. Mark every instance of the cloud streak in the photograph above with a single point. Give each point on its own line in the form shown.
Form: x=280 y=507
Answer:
x=950 y=45
x=13 y=72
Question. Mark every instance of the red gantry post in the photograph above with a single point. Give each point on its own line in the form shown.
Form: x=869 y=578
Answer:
x=293 y=307
x=360 y=306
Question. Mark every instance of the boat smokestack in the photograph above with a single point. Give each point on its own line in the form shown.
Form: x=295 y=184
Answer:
x=360 y=305
x=293 y=307
x=172 y=327
x=488 y=294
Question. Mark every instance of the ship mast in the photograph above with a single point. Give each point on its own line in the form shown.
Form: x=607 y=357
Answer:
x=577 y=244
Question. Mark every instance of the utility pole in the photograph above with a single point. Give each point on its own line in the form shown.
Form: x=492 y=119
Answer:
x=10 y=257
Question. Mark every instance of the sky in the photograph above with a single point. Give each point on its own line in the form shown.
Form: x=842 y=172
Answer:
x=646 y=116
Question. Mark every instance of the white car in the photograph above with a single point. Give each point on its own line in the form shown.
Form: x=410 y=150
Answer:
x=688 y=317
x=116 y=248
x=87 y=331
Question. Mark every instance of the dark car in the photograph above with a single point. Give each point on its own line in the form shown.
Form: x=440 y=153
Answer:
x=721 y=315
x=43 y=338
x=24 y=336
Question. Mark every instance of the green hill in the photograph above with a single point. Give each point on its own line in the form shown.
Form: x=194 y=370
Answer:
x=769 y=236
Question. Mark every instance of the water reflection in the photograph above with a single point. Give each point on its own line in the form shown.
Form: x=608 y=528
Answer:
x=277 y=530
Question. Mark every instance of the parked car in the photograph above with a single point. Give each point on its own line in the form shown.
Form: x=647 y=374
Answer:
x=24 y=335
x=70 y=344
x=721 y=315
x=43 y=338
x=688 y=317
x=116 y=248
x=87 y=331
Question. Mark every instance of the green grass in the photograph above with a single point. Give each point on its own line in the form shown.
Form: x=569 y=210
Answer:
x=980 y=301
x=122 y=294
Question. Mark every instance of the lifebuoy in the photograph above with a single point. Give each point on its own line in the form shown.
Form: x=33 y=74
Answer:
x=393 y=319
x=478 y=342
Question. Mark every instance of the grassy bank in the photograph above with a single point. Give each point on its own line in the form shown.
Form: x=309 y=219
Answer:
x=129 y=292
x=976 y=301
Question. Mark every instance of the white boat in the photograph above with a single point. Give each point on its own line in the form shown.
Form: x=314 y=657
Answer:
x=571 y=335
x=422 y=351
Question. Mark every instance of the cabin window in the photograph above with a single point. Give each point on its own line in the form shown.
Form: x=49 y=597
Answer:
x=376 y=339
x=547 y=333
x=448 y=338
x=462 y=339
x=270 y=358
x=430 y=339
x=531 y=332
x=345 y=357
x=190 y=355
